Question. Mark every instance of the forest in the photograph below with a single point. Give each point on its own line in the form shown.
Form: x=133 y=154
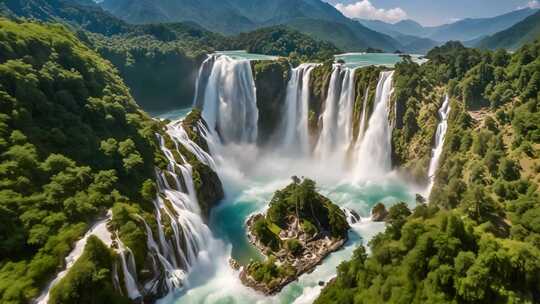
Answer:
x=73 y=144
x=478 y=240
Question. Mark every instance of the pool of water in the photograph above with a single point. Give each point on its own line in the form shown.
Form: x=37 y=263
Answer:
x=250 y=177
x=246 y=55
x=367 y=59
x=176 y=114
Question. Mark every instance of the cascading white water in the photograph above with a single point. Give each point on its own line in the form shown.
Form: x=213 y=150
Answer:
x=436 y=152
x=160 y=264
x=337 y=123
x=226 y=94
x=100 y=230
x=129 y=270
x=374 y=155
x=294 y=134
x=363 y=121
x=178 y=205
x=176 y=130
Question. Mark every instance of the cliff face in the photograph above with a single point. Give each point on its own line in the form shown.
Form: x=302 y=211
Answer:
x=366 y=80
x=206 y=181
x=318 y=86
x=271 y=78
x=160 y=80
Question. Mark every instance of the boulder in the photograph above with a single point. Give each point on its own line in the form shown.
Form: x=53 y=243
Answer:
x=379 y=213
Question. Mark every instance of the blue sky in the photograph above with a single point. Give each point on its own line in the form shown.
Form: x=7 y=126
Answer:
x=429 y=12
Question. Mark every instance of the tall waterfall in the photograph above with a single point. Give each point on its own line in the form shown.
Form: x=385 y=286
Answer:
x=294 y=135
x=436 y=152
x=177 y=204
x=226 y=95
x=374 y=152
x=337 y=120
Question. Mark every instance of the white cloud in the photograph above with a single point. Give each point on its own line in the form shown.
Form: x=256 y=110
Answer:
x=531 y=4
x=365 y=10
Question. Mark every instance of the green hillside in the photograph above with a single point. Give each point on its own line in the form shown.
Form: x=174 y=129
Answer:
x=513 y=38
x=73 y=143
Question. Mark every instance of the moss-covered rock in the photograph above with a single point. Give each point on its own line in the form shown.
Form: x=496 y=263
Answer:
x=208 y=187
x=366 y=80
x=271 y=78
x=190 y=124
x=318 y=84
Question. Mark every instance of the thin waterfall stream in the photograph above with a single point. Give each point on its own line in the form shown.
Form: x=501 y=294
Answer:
x=436 y=152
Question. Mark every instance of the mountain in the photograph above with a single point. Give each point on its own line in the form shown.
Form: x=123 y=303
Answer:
x=463 y=30
x=523 y=32
x=314 y=17
x=469 y=29
x=405 y=27
x=416 y=45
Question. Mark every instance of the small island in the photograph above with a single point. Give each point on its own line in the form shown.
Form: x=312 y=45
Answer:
x=300 y=228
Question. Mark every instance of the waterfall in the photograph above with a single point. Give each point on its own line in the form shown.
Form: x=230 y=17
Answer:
x=337 y=121
x=374 y=154
x=436 y=152
x=226 y=95
x=176 y=130
x=178 y=205
x=129 y=270
x=173 y=277
x=294 y=135
x=98 y=229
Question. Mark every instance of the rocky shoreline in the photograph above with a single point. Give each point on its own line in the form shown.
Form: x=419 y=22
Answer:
x=315 y=250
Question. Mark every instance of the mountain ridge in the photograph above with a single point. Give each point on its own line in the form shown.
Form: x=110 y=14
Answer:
x=514 y=37
x=236 y=16
x=463 y=30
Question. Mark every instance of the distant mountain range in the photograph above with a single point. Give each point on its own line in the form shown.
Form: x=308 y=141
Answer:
x=463 y=30
x=514 y=37
x=314 y=17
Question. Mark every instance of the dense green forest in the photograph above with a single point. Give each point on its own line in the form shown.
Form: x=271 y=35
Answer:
x=73 y=144
x=478 y=240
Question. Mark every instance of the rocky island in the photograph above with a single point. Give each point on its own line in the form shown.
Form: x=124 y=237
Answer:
x=300 y=228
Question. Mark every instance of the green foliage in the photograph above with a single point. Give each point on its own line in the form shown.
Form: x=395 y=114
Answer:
x=293 y=246
x=265 y=235
x=269 y=272
x=441 y=260
x=478 y=240
x=73 y=143
x=286 y=42
x=271 y=79
x=300 y=199
x=89 y=280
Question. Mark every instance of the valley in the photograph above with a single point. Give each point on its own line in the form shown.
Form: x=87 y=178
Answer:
x=181 y=152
